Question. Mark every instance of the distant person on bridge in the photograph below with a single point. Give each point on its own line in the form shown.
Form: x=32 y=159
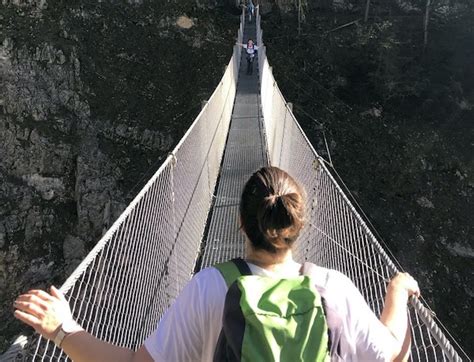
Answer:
x=251 y=10
x=251 y=50
x=195 y=327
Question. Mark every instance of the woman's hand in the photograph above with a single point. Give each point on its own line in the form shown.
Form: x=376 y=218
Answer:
x=394 y=314
x=43 y=311
x=404 y=282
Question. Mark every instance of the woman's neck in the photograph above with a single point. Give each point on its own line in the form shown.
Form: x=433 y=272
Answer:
x=267 y=260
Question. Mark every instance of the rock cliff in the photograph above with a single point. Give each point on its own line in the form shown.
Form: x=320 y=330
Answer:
x=89 y=106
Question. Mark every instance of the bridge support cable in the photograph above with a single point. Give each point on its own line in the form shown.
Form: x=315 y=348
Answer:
x=336 y=235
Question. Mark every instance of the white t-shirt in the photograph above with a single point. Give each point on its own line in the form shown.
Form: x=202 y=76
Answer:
x=189 y=329
x=251 y=50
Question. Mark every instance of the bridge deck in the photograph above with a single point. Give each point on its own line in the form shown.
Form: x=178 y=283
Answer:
x=245 y=152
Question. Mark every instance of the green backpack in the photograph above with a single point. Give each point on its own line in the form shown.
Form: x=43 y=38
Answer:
x=268 y=319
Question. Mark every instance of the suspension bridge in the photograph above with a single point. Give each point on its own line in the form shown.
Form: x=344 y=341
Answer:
x=186 y=218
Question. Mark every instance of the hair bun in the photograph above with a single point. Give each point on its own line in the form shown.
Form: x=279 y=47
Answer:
x=278 y=218
x=272 y=209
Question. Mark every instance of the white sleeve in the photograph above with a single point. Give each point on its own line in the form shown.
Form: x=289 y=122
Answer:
x=245 y=46
x=189 y=329
x=372 y=340
x=178 y=327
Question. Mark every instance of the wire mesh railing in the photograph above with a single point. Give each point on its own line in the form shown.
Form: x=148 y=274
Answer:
x=336 y=236
x=149 y=253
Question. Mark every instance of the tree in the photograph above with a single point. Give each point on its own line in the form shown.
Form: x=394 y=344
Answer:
x=301 y=5
x=366 y=15
x=426 y=23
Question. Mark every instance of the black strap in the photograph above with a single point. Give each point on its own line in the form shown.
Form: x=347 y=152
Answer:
x=229 y=344
x=242 y=265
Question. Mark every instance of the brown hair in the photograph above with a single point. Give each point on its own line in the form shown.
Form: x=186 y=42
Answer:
x=272 y=209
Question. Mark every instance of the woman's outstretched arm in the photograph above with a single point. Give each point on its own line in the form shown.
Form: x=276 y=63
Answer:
x=47 y=312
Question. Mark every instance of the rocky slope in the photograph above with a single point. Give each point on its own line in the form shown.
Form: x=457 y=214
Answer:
x=92 y=97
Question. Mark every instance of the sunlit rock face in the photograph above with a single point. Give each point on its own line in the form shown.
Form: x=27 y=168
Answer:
x=92 y=98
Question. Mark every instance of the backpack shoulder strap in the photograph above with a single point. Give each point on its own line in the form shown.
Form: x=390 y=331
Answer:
x=233 y=269
x=310 y=270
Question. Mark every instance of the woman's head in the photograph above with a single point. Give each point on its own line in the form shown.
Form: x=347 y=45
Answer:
x=250 y=42
x=272 y=210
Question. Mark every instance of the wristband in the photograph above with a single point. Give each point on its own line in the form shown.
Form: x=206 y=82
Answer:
x=66 y=328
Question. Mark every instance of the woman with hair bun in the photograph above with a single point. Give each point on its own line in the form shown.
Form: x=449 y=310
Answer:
x=272 y=214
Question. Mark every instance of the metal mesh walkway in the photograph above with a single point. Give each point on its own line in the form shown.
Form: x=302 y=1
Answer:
x=123 y=286
x=245 y=152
